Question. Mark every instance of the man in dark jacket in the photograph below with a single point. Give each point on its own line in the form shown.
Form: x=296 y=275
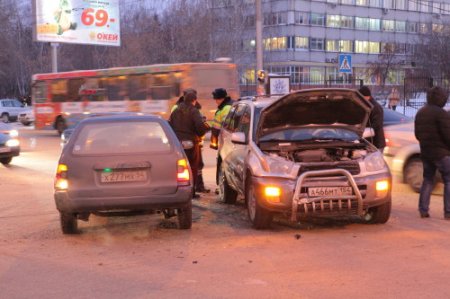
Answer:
x=376 y=118
x=432 y=129
x=188 y=125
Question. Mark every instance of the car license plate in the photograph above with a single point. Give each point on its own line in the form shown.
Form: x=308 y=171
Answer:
x=329 y=191
x=123 y=176
x=5 y=149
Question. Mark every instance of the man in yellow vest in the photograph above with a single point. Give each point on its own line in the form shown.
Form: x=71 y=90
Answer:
x=224 y=103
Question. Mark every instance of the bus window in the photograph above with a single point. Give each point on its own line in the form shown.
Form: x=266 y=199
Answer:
x=73 y=89
x=40 y=92
x=91 y=90
x=162 y=86
x=59 y=90
x=137 y=87
x=116 y=88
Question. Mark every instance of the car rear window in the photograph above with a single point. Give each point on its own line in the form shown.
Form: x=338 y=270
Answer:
x=121 y=138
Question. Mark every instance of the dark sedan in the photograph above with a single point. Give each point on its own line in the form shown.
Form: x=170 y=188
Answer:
x=122 y=163
x=9 y=144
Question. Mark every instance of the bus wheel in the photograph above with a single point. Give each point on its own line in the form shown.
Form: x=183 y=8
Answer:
x=60 y=125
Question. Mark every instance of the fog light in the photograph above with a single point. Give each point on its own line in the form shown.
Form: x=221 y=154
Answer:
x=12 y=143
x=61 y=184
x=272 y=194
x=382 y=188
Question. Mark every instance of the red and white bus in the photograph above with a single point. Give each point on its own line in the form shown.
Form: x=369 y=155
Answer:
x=61 y=99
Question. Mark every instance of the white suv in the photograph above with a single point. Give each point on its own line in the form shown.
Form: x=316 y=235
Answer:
x=10 y=109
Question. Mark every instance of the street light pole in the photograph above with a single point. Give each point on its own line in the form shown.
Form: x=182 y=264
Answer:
x=54 y=57
x=259 y=46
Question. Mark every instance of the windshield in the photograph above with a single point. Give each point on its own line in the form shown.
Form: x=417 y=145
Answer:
x=312 y=134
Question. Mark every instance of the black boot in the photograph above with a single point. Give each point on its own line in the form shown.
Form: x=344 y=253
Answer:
x=200 y=187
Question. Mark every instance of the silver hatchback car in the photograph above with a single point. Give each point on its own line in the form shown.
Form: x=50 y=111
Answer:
x=303 y=155
x=122 y=164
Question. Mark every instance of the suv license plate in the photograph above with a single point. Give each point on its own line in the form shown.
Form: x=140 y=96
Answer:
x=329 y=191
x=123 y=176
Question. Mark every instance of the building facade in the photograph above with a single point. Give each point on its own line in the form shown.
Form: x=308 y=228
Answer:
x=303 y=38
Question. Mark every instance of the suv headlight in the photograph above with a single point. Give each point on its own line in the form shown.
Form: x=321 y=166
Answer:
x=374 y=162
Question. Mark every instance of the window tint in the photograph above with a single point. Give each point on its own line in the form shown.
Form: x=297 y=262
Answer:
x=227 y=121
x=121 y=138
x=236 y=118
x=116 y=88
x=244 y=122
x=137 y=87
x=16 y=103
x=162 y=86
x=59 y=90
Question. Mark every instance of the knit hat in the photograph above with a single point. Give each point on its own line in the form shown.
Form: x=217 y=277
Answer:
x=365 y=91
x=219 y=93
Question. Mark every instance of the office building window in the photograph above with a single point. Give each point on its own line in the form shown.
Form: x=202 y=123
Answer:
x=400 y=4
x=275 y=18
x=413 y=5
x=317 y=19
x=249 y=45
x=361 y=23
x=424 y=28
x=424 y=6
x=334 y=21
x=436 y=7
x=374 y=47
x=332 y=45
x=316 y=75
x=317 y=44
x=301 y=43
x=412 y=27
x=389 y=4
x=301 y=17
x=374 y=24
x=400 y=26
x=445 y=8
x=346 y=46
x=375 y=3
x=388 y=25
x=346 y=22
x=361 y=46
x=349 y=2
x=438 y=28
x=362 y=2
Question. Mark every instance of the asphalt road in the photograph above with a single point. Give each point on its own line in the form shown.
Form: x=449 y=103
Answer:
x=220 y=257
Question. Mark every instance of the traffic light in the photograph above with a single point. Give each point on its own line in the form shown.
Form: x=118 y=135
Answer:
x=261 y=74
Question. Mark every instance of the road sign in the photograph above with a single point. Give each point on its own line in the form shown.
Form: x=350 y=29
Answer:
x=345 y=63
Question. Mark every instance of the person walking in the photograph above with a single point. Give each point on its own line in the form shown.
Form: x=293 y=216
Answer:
x=189 y=126
x=432 y=129
x=393 y=99
x=224 y=103
x=376 y=118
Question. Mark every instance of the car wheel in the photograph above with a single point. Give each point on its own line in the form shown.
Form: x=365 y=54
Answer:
x=69 y=224
x=259 y=217
x=26 y=123
x=60 y=125
x=226 y=193
x=380 y=214
x=185 y=216
x=5 y=117
x=5 y=161
x=413 y=174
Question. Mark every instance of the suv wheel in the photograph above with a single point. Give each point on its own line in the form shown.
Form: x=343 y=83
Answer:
x=5 y=117
x=380 y=214
x=413 y=174
x=185 y=216
x=69 y=223
x=5 y=161
x=260 y=218
x=226 y=193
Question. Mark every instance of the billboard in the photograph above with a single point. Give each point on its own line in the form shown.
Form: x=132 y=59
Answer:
x=94 y=22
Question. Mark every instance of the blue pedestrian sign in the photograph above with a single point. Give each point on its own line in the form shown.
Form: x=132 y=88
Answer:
x=345 y=63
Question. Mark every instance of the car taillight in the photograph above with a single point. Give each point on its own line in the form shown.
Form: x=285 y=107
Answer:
x=183 y=176
x=61 y=182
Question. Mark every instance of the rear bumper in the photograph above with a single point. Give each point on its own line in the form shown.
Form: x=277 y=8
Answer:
x=64 y=203
x=14 y=152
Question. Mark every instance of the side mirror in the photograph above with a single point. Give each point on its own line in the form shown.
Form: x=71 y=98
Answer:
x=238 y=138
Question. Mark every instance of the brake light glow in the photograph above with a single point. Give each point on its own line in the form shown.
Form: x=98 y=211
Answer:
x=183 y=175
x=61 y=182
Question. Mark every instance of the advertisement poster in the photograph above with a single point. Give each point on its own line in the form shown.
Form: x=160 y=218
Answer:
x=94 y=22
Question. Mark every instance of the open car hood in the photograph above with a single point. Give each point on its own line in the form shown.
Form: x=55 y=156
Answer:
x=335 y=107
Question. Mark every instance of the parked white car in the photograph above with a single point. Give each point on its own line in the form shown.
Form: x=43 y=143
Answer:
x=27 y=117
x=10 y=109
